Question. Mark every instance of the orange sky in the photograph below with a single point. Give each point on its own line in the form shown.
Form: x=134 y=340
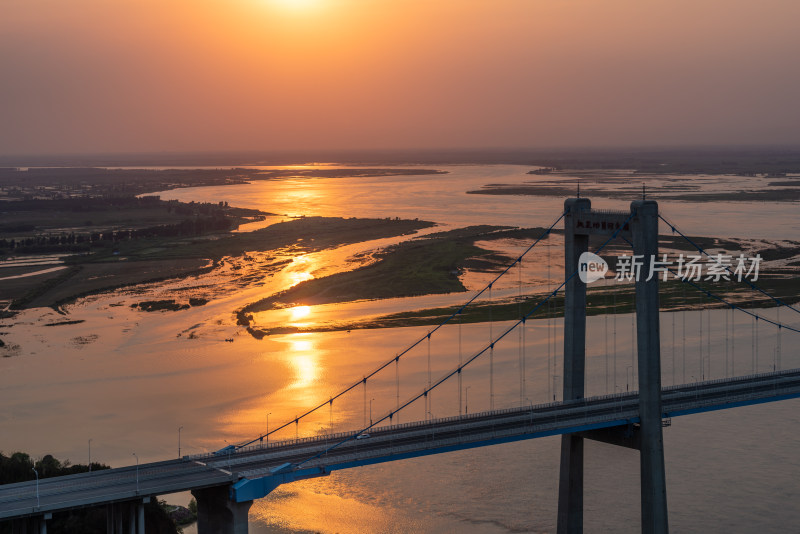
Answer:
x=90 y=76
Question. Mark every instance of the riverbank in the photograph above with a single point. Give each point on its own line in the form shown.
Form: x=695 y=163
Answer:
x=148 y=260
x=628 y=185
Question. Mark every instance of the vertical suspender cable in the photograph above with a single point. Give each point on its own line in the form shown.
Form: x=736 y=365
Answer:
x=555 y=349
x=524 y=377
x=733 y=342
x=727 y=310
x=491 y=353
x=605 y=325
x=702 y=369
x=460 y=373
x=521 y=345
x=753 y=347
x=633 y=344
x=756 y=343
x=428 y=407
x=397 y=385
x=673 y=347
x=549 y=308
x=683 y=316
x=778 y=352
x=614 y=319
x=708 y=342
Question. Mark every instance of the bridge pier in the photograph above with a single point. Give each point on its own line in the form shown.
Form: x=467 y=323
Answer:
x=31 y=525
x=218 y=514
x=140 y=518
x=126 y=517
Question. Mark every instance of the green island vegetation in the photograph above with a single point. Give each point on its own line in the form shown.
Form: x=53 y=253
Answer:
x=159 y=516
x=674 y=296
x=396 y=271
x=418 y=267
x=168 y=304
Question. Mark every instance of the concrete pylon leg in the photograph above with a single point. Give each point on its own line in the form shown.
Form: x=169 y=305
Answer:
x=218 y=514
x=570 y=486
x=653 y=479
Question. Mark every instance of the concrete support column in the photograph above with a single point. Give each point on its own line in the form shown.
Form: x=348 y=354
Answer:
x=653 y=480
x=570 y=487
x=109 y=519
x=132 y=518
x=140 y=519
x=118 y=519
x=218 y=514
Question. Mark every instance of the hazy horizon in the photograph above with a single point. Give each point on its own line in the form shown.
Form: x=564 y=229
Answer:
x=133 y=77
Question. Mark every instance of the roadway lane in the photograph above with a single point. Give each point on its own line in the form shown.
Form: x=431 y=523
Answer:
x=120 y=484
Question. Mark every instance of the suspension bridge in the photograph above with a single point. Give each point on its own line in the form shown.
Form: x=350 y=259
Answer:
x=226 y=482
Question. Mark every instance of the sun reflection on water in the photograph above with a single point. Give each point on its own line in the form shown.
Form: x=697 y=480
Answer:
x=302 y=345
x=300 y=270
x=304 y=359
x=299 y=312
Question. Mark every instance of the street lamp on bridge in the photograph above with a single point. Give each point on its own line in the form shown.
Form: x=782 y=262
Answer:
x=370 y=411
x=38 y=503
x=137 y=473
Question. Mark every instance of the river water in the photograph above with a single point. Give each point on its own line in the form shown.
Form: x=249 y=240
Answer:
x=128 y=379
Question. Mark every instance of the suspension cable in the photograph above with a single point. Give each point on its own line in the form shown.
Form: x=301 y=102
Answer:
x=700 y=249
x=489 y=347
x=380 y=368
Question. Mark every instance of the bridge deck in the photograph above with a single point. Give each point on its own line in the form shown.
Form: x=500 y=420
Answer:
x=250 y=468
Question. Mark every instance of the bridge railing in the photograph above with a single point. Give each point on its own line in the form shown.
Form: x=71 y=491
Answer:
x=322 y=437
x=742 y=378
x=731 y=399
x=412 y=424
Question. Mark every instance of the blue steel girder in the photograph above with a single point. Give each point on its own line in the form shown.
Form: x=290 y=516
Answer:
x=247 y=489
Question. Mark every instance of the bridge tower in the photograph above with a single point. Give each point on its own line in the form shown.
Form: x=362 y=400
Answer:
x=641 y=226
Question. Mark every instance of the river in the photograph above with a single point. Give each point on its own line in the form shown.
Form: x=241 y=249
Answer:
x=128 y=379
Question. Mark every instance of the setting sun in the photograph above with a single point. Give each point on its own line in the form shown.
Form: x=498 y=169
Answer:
x=295 y=4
